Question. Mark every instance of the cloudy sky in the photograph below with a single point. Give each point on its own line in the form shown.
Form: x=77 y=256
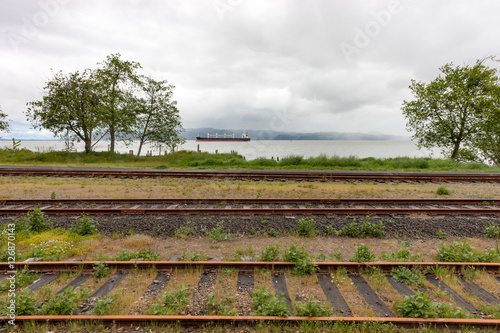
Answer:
x=284 y=65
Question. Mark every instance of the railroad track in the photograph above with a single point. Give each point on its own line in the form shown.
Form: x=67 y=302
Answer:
x=306 y=175
x=231 y=206
x=334 y=285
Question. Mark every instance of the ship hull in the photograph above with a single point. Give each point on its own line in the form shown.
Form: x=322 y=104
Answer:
x=200 y=139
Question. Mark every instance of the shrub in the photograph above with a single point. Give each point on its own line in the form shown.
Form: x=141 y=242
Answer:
x=363 y=254
x=85 y=226
x=442 y=191
x=306 y=227
x=271 y=253
x=312 y=308
x=267 y=305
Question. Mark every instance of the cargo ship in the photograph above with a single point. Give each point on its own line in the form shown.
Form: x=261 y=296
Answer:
x=224 y=137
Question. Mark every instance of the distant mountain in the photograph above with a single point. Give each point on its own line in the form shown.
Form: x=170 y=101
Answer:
x=192 y=133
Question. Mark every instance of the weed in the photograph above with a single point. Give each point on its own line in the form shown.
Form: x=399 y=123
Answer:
x=363 y=254
x=53 y=195
x=65 y=303
x=464 y=252
x=366 y=229
x=267 y=305
x=36 y=221
x=330 y=230
x=100 y=270
x=229 y=270
x=405 y=275
x=440 y=234
x=186 y=231
x=264 y=222
x=294 y=254
x=23 y=278
x=221 y=307
x=442 y=191
x=147 y=255
x=338 y=255
x=271 y=253
x=304 y=266
x=103 y=305
x=52 y=250
x=306 y=227
x=25 y=305
x=402 y=254
x=195 y=256
x=219 y=234
x=273 y=233
x=171 y=302
x=85 y=226
x=312 y=308
x=417 y=306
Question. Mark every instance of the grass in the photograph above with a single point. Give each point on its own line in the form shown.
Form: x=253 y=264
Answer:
x=191 y=159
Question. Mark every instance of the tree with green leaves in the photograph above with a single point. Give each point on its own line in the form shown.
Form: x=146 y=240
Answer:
x=4 y=125
x=71 y=106
x=487 y=142
x=452 y=111
x=117 y=79
x=158 y=118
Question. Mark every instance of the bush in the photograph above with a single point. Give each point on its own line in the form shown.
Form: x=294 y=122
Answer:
x=306 y=227
x=363 y=254
x=85 y=226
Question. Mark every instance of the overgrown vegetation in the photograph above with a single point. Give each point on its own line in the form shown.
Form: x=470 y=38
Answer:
x=405 y=275
x=306 y=227
x=362 y=253
x=420 y=306
x=312 y=308
x=365 y=229
x=125 y=255
x=192 y=159
x=64 y=304
x=171 y=302
x=267 y=305
x=85 y=226
x=464 y=252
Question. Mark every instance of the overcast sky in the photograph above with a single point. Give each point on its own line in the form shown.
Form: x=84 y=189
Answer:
x=291 y=65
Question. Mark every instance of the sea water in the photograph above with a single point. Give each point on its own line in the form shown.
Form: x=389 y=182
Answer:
x=260 y=148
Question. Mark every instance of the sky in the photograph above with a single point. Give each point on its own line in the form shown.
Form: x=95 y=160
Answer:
x=282 y=65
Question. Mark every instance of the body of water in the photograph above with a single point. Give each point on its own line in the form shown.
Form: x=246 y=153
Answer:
x=263 y=148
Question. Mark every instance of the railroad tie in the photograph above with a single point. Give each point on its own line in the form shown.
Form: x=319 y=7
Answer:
x=42 y=281
x=158 y=284
x=370 y=296
x=109 y=285
x=477 y=290
x=399 y=286
x=281 y=289
x=334 y=296
x=456 y=297
x=81 y=279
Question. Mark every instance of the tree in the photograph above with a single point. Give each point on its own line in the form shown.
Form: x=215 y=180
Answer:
x=117 y=78
x=4 y=125
x=158 y=118
x=71 y=105
x=450 y=111
x=487 y=141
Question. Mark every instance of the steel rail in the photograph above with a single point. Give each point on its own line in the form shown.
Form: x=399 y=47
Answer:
x=125 y=320
x=258 y=211
x=260 y=201
x=73 y=266
x=262 y=175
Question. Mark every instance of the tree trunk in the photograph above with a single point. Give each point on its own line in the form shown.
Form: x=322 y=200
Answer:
x=112 y=138
x=140 y=147
x=454 y=155
x=88 y=146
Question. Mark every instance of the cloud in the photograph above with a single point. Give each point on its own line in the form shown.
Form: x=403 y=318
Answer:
x=244 y=64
